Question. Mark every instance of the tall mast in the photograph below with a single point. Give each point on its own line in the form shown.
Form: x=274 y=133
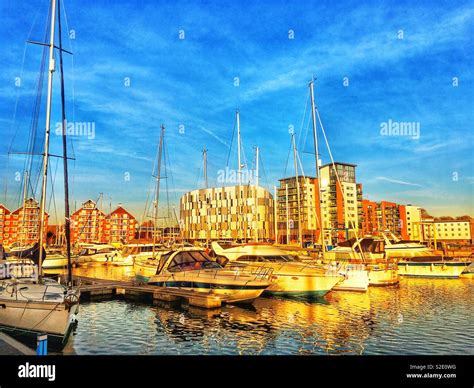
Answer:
x=239 y=168
x=46 y=137
x=25 y=197
x=67 y=221
x=316 y=153
x=287 y=215
x=257 y=150
x=295 y=157
x=204 y=161
x=157 y=189
x=275 y=212
x=255 y=191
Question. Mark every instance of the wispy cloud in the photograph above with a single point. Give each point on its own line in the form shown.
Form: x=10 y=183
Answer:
x=399 y=182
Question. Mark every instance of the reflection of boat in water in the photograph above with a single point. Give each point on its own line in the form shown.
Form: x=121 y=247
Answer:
x=368 y=252
x=192 y=269
x=415 y=259
x=291 y=277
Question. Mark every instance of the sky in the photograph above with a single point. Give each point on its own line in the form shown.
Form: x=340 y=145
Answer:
x=189 y=65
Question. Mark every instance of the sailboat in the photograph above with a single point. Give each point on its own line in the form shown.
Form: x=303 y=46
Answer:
x=32 y=305
x=146 y=257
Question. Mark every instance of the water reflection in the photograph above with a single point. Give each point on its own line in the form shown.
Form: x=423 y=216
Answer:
x=421 y=316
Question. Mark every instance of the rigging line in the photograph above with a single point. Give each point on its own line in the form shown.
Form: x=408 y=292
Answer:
x=165 y=157
x=52 y=198
x=32 y=140
x=264 y=173
x=306 y=134
x=173 y=186
x=288 y=157
x=351 y=221
x=303 y=120
x=231 y=142
x=299 y=162
x=21 y=75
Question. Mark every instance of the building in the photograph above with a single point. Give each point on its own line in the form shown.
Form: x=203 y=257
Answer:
x=234 y=212
x=4 y=212
x=22 y=225
x=88 y=224
x=288 y=216
x=340 y=202
x=369 y=223
x=120 y=226
x=454 y=231
x=410 y=222
x=380 y=216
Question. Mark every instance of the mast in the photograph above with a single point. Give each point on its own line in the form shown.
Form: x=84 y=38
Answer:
x=295 y=157
x=316 y=153
x=256 y=193
x=46 y=138
x=287 y=216
x=67 y=220
x=275 y=209
x=157 y=189
x=25 y=197
x=204 y=161
x=256 y=165
x=239 y=168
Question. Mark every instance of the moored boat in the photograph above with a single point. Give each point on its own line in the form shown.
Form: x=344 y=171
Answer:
x=192 y=270
x=417 y=260
x=292 y=277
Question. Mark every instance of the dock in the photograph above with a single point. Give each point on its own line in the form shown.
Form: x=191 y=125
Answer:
x=11 y=347
x=93 y=287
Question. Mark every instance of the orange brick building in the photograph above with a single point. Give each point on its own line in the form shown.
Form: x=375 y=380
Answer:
x=88 y=224
x=22 y=225
x=120 y=226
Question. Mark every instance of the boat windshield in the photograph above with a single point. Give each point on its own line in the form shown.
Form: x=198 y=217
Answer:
x=191 y=260
x=266 y=259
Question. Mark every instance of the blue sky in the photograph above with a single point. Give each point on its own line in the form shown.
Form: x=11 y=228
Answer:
x=401 y=61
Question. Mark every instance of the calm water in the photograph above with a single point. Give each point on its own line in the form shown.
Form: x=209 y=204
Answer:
x=421 y=316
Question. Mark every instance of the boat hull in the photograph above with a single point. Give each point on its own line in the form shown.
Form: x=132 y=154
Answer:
x=21 y=318
x=355 y=280
x=302 y=285
x=383 y=277
x=432 y=269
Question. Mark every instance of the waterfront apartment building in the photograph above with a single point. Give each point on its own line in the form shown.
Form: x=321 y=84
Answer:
x=22 y=225
x=243 y=212
x=380 y=216
x=454 y=231
x=88 y=224
x=120 y=226
x=91 y=225
x=341 y=203
x=288 y=216
x=410 y=222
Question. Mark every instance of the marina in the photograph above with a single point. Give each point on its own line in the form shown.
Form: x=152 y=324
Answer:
x=420 y=316
x=208 y=179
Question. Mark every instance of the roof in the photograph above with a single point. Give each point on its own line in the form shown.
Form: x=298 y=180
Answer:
x=341 y=163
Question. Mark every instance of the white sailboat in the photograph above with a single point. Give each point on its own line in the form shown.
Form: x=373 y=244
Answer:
x=35 y=305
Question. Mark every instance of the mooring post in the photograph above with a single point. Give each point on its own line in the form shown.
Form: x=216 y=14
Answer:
x=42 y=345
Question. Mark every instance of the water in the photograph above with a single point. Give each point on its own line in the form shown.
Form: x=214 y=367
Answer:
x=421 y=316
